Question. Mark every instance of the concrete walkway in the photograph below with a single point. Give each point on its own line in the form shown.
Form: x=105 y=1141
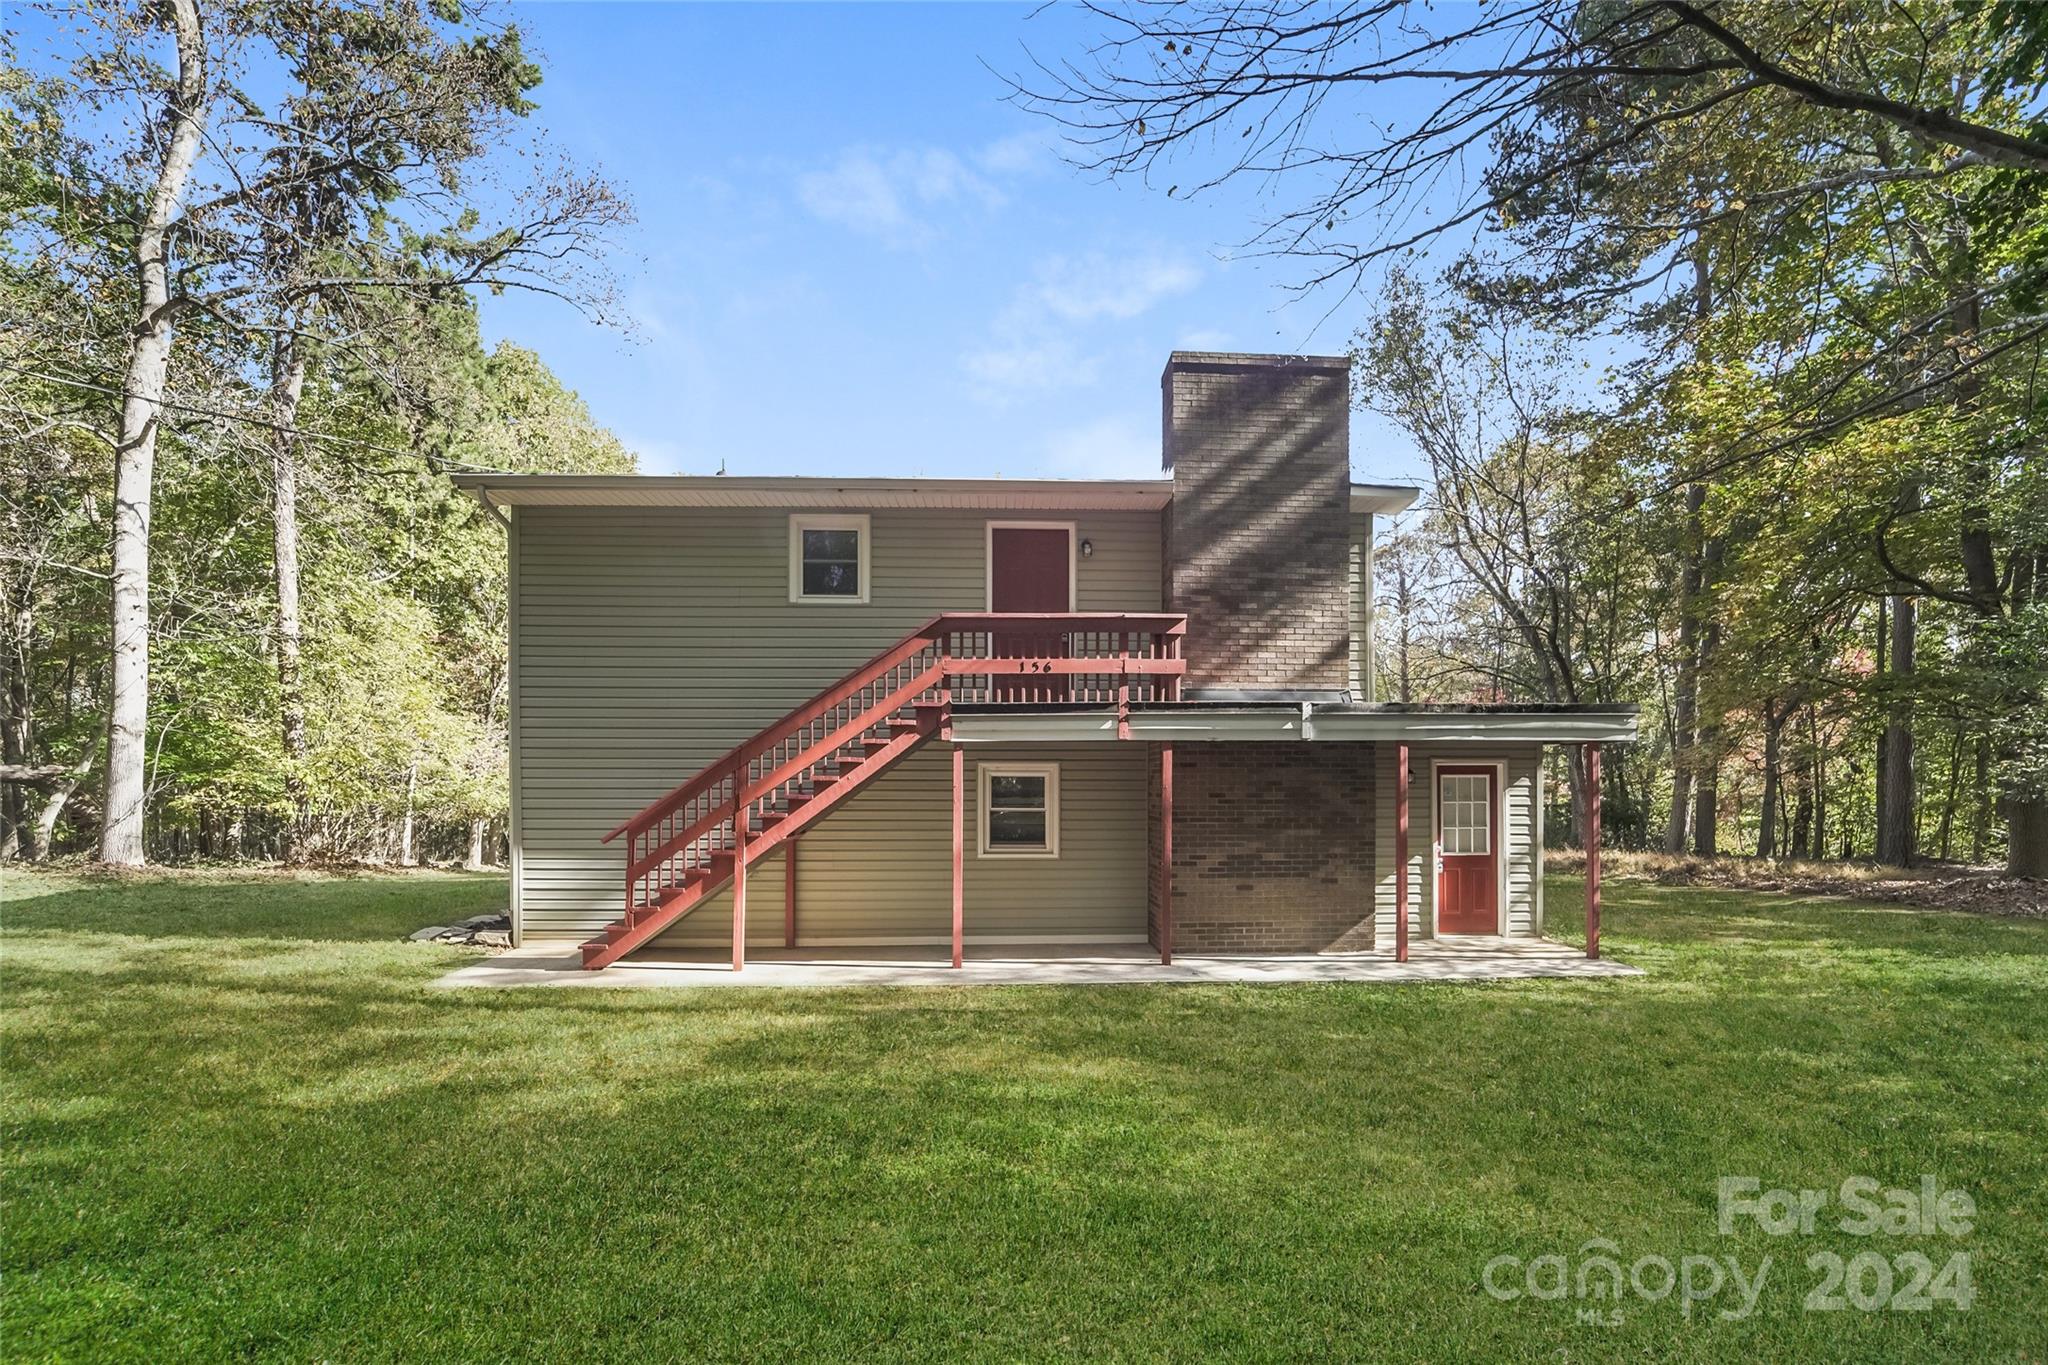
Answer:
x=1473 y=958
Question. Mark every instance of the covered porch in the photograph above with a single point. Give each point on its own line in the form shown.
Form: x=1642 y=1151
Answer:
x=1466 y=958
x=1411 y=753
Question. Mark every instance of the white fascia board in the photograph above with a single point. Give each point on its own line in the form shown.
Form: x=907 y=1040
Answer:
x=1546 y=727
x=1249 y=725
x=1264 y=724
x=1033 y=727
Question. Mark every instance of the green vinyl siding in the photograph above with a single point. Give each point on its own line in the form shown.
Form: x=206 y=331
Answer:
x=1358 y=589
x=648 y=641
x=1518 y=826
x=880 y=867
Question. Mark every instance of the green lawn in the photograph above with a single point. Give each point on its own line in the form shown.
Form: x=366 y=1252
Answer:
x=238 y=1124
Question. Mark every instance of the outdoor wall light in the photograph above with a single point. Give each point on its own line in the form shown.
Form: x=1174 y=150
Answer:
x=1087 y=549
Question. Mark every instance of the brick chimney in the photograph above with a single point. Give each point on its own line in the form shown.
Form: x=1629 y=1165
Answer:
x=1258 y=536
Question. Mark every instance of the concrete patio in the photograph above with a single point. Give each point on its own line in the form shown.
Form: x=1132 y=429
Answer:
x=1476 y=958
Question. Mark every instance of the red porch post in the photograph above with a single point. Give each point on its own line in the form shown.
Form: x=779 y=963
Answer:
x=1166 y=854
x=739 y=878
x=789 y=894
x=959 y=847
x=1592 y=850
x=1400 y=853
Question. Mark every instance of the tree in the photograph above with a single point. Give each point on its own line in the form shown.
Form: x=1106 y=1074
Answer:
x=1511 y=477
x=186 y=104
x=262 y=224
x=1843 y=203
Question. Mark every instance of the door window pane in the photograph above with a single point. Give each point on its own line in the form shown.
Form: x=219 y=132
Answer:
x=1467 y=815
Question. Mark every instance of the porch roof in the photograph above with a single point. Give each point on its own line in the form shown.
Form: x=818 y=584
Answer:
x=1247 y=722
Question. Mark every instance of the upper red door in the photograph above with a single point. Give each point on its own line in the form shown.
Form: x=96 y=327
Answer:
x=1031 y=568
x=1468 y=847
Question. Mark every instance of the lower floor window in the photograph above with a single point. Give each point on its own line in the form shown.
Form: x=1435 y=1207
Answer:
x=1020 y=810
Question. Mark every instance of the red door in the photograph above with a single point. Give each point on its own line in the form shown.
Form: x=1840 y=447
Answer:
x=1030 y=569
x=1468 y=849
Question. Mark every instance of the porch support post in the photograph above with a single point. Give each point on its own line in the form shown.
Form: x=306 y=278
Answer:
x=789 y=894
x=739 y=886
x=1592 y=850
x=1166 y=855
x=1400 y=853
x=959 y=849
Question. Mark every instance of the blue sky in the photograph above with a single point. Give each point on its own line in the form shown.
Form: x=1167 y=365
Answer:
x=853 y=257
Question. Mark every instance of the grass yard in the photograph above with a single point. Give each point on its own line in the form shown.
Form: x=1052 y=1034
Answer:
x=236 y=1123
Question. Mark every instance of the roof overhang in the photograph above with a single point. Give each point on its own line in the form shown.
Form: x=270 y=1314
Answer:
x=717 y=490
x=714 y=490
x=1383 y=498
x=1314 y=722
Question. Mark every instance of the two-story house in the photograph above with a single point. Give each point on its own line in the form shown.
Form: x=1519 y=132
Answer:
x=821 y=712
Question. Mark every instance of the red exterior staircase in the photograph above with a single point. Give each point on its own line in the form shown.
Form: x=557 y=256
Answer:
x=683 y=848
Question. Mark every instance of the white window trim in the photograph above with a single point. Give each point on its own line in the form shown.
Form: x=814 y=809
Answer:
x=800 y=522
x=988 y=557
x=983 y=772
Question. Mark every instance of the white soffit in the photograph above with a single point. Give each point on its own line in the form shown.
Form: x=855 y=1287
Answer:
x=1383 y=498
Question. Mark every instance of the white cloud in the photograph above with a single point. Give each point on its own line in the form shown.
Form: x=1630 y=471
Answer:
x=1107 y=448
x=1019 y=153
x=1038 y=342
x=1092 y=287
x=892 y=195
x=1021 y=363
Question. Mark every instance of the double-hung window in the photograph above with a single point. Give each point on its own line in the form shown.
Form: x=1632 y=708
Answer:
x=1020 y=810
x=828 y=558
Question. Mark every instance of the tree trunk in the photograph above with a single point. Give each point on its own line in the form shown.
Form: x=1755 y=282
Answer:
x=1802 y=815
x=1706 y=755
x=1945 y=833
x=60 y=797
x=1767 y=821
x=17 y=699
x=287 y=383
x=1896 y=807
x=1820 y=799
x=475 y=861
x=1401 y=597
x=2026 y=836
x=142 y=389
x=1685 y=694
x=1576 y=790
x=1980 y=814
x=1706 y=800
x=407 y=857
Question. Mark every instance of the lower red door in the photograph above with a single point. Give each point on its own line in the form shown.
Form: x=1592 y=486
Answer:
x=1468 y=850
x=1031 y=569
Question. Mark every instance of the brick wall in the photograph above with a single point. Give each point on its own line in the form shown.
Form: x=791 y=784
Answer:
x=1258 y=537
x=1272 y=848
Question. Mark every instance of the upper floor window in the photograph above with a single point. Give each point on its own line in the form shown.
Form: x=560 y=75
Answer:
x=828 y=558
